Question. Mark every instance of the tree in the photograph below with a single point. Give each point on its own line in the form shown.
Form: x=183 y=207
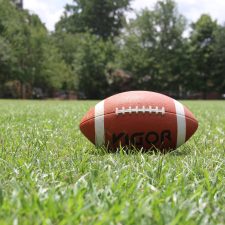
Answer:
x=6 y=62
x=154 y=47
x=7 y=58
x=203 y=39
x=90 y=64
x=27 y=52
x=103 y=18
x=55 y=73
x=219 y=59
x=25 y=34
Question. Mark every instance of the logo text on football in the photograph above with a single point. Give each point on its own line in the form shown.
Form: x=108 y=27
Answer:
x=151 y=137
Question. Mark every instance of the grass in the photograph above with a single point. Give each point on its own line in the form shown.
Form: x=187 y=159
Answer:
x=50 y=174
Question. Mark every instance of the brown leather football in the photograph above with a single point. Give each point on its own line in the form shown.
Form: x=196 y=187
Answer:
x=142 y=119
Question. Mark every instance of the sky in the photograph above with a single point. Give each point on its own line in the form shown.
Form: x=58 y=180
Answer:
x=50 y=11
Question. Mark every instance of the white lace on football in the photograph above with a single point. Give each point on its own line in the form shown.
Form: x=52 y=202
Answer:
x=142 y=109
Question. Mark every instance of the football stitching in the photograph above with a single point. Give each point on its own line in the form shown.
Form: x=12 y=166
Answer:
x=143 y=109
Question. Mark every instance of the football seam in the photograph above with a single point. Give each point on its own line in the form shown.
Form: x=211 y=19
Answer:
x=92 y=118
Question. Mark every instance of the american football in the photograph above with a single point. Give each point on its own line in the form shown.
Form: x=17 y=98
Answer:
x=145 y=120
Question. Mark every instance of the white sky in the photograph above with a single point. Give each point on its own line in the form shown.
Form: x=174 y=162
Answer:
x=51 y=10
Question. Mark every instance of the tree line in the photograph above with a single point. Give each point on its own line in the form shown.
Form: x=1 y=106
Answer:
x=96 y=51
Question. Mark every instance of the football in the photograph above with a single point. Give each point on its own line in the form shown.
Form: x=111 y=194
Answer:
x=145 y=120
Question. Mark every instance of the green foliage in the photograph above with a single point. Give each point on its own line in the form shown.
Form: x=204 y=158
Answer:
x=202 y=49
x=26 y=48
x=153 y=47
x=100 y=17
x=219 y=57
x=89 y=58
x=6 y=59
x=48 y=177
x=90 y=64
x=54 y=71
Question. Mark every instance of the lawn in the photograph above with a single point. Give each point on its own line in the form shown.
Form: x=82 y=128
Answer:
x=51 y=174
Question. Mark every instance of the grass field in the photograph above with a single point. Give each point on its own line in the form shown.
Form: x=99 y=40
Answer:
x=50 y=174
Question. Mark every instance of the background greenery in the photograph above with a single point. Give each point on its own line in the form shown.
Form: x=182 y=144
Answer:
x=96 y=51
x=51 y=174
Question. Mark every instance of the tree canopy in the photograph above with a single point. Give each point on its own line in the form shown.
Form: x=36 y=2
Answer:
x=103 y=18
x=28 y=54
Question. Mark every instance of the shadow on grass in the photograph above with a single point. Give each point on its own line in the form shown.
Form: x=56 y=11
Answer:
x=132 y=150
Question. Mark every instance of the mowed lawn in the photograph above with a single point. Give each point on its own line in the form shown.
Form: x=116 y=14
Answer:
x=51 y=174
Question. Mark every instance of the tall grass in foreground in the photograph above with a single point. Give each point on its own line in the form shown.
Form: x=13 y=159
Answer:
x=50 y=174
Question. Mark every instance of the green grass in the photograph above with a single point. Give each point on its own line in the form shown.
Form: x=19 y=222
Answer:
x=50 y=174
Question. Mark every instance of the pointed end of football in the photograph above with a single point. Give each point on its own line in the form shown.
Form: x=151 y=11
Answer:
x=87 y=126
x=192 y=126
